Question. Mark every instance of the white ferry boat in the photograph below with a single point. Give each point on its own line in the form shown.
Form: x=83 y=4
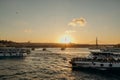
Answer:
x=13 y=52
x=97 y=60
x=111 y=49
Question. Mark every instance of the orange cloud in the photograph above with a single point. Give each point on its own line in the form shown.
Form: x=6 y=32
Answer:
x=78 y=22
x=27 y=30
x=70 y=31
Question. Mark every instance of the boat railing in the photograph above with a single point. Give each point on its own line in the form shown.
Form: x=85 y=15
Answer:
x=110 y=60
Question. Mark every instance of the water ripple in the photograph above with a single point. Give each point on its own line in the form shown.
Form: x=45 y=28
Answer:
x=52 y=64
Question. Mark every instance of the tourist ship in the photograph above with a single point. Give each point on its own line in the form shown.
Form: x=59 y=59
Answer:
x=10 y=52
x=111 y=49
x=101 y=60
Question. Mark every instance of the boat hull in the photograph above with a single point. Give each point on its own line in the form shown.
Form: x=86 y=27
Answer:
x=95 y=66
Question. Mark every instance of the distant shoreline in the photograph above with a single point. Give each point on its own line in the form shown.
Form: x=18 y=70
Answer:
x=54 y=45
x=51 y=45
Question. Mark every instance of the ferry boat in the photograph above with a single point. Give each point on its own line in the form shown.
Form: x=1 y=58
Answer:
x=111 y=49
x=8 y=52
x=97 y=60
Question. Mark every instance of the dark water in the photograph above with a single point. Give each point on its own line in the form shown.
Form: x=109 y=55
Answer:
x=52 y=64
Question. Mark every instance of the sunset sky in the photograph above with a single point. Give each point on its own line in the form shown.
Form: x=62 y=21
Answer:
x=50 y=20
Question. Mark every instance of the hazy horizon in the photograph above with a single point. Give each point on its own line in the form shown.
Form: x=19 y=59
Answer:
x=60 y=21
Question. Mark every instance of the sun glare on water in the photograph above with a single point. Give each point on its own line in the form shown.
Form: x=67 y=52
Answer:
x=65 y=39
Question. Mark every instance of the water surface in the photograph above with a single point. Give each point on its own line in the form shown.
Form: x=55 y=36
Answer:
x=52 y=64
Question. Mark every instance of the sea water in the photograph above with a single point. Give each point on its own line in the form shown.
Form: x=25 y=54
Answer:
x=52 y=64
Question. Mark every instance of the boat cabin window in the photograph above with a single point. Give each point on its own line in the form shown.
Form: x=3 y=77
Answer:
x=94 y=64
x=110 y=65
x=101 y=65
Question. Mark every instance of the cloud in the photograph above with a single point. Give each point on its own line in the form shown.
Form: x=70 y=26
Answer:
x=78 y=22
x=72 y=24
x=27 y=30
x=70 y=31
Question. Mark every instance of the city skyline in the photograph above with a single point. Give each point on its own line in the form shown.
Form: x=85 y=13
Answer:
x=60 y=21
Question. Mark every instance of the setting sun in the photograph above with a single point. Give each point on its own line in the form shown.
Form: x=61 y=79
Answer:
x=65 y=39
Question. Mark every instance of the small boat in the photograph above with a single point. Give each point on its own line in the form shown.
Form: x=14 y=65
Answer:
x=33 y=49
x=97 y=60
x=63 y=48
x=44 y=49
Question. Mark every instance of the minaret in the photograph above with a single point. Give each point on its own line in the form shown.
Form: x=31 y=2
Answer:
x=96 y=42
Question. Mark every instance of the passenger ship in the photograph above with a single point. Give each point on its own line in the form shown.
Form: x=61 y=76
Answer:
x=102 y=60
x=107 y=58
x=111 y=49
x=8 y=52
